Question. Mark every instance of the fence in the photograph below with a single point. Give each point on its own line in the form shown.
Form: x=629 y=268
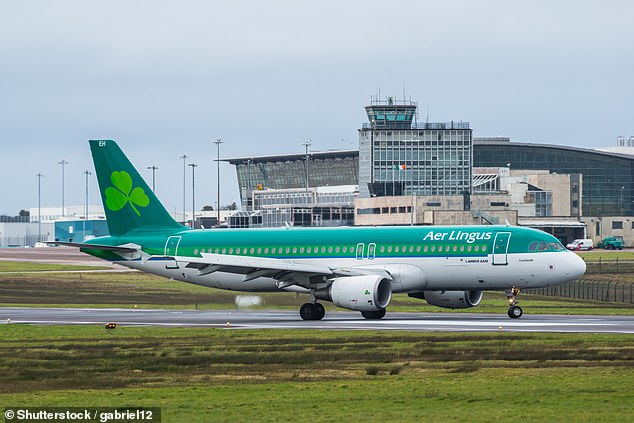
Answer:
x=609 y=292
x=609 y=266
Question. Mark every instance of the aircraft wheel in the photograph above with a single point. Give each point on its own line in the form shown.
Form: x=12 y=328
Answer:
x=309 y=311
x=321 y=311
x=374 y=315
x=515 y=312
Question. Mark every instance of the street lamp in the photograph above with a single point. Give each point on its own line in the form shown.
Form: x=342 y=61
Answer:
x=39 y=177
x=306 y=145
x=63 y=163
x=193 y=166
x=87 y=173
x=154 y=169
x=218 y=142
x=183 y=157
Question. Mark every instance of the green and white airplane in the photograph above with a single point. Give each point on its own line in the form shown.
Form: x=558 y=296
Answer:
x=357 y=268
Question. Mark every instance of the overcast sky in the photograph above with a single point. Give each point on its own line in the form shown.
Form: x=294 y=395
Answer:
x=166 y=78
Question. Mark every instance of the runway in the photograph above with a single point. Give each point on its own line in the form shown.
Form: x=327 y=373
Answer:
x=283 y=319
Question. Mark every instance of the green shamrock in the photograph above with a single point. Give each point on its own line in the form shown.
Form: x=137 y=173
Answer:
x=117 y=197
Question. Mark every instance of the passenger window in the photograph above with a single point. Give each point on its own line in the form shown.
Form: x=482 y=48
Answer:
x=476 y=248
x=301 y=250
x=543 y=246
x=533 y=246
x=382 y=248
x=433 y=248
x=455 y=248
x=230 y=250
x=484 y=248
x=418 y=248
x=461 y=248
x=425 y=248
x=389 y=249
x=309 y=250
x=345 y=249
x=469 y=248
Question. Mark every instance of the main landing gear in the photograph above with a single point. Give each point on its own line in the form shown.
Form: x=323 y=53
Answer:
x=312 y=311
x=515 y=311
x=373 y=315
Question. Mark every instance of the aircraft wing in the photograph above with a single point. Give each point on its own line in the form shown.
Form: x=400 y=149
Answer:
x=254 y=267
x=286 y=271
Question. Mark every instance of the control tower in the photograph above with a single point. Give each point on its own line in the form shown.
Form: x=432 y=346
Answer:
x=390 y=115
x=400 y=156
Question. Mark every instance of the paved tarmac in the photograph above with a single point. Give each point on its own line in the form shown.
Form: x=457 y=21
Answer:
x=56 y=255
x=282 y=319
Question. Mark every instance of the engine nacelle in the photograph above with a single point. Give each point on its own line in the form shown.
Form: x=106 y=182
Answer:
x=453 y=299
x=359 y=293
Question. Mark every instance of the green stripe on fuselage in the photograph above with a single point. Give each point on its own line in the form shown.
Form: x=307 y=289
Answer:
x=426 y=241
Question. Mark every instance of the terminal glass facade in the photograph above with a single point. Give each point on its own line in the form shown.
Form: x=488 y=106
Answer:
x=608 y=179
x=292 y=171
x=415 y=161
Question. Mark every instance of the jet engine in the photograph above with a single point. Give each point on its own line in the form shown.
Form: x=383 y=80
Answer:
x=359 y=293
x=450 y=299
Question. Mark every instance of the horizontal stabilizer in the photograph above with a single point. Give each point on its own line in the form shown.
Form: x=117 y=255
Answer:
x=84 y=246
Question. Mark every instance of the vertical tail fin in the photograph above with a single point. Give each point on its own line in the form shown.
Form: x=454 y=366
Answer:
x=128 y=201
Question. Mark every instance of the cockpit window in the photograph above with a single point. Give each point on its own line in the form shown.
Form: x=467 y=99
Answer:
x=543 y=246
x=556 y=246
x=533 y=246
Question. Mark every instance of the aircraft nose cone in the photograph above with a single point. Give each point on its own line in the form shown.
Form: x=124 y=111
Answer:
x=576 y=265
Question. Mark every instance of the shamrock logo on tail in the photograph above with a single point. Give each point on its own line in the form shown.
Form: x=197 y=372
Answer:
x=122 y=193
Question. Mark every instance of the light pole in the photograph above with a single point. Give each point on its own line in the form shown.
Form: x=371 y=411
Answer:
x=87 y=173
x=63 y=163
x=184 y=157
x=218 y=142
x=39 y=177
x=193 y=166
x=154 y=169
x=306 y=145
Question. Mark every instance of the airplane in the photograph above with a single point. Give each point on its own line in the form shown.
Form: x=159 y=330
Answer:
x=355 y=268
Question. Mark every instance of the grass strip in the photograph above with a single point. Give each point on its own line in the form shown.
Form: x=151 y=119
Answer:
x=198 y=374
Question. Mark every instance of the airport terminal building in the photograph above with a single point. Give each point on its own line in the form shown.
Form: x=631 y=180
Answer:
x=410 y=172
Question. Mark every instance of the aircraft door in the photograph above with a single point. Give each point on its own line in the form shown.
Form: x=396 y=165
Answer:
x=500 y=248
x=171 y=250
x=371 y=251
x=171 y=246
x=360 y=248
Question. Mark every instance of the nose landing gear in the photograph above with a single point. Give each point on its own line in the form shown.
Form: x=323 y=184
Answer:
x=515 y=311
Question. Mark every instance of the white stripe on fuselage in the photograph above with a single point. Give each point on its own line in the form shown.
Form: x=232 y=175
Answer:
x=524 y=270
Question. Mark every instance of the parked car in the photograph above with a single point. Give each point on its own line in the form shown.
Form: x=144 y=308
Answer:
x=580 y=244
x=611 y=243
